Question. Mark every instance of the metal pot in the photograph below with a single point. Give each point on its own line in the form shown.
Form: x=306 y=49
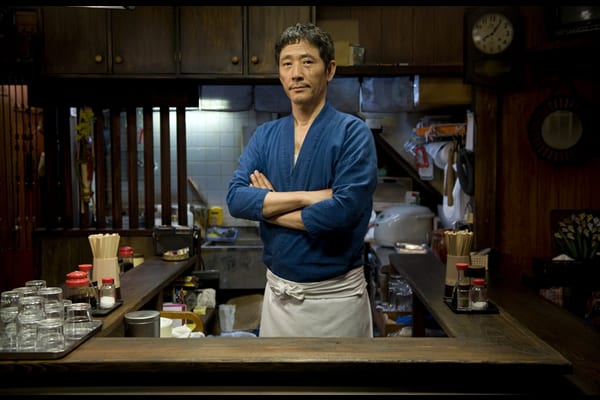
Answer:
x=404 y=223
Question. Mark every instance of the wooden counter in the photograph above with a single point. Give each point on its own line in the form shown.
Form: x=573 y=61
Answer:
x=140 y=286
x=485 y=354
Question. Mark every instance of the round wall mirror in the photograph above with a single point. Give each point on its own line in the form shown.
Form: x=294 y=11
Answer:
x=558 y=129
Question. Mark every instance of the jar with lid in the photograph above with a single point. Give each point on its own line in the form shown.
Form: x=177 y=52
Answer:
x=462 y=287
x=107 y=293
x=78 y=288
x=478 y=299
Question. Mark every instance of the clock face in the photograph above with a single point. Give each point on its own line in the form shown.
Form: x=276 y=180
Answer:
x=492 y=33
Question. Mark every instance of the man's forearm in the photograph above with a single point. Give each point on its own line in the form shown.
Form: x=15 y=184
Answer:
x=292 y=219
x=276 y=203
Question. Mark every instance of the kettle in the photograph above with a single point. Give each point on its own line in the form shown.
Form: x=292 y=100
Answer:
x=403 y=223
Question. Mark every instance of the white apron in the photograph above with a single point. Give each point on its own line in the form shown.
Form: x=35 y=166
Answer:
x=335 y=307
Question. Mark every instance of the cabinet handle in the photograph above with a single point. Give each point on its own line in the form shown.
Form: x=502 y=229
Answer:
x=118 y=60
x=254 y=60
x=98 y=58
x=235 y=60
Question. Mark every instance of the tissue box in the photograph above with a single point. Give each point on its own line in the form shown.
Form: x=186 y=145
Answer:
x=168 y=237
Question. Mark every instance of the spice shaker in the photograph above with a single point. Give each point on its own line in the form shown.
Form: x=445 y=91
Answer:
x=478 y=299
x=107 y=293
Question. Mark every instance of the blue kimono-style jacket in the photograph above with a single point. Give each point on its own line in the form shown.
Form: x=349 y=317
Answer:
x=338 y=153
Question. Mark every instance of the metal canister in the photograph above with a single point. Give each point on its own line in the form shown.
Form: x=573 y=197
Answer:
x=142 y=323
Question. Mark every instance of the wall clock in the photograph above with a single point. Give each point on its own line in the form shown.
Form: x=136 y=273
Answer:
x=492 y=46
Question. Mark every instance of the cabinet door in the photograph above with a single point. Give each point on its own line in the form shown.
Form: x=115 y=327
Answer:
x=438 y=35
x=265 y=24
x=143 y=40
x=211 y=40
x=75 y=40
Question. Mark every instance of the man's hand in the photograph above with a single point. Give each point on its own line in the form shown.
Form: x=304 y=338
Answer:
x=259 y=180
x=283 y=208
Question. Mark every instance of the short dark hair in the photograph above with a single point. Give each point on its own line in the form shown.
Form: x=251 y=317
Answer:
x=312 y=34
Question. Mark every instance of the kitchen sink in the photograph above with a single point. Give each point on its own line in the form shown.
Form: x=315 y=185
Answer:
x=239 y=262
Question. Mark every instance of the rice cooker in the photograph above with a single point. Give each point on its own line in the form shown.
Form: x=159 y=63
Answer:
x=403 y=223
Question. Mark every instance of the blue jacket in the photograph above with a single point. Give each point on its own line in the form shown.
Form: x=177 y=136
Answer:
x=339 y=153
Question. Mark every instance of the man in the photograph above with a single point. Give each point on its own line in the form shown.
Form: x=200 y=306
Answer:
x=309 y=179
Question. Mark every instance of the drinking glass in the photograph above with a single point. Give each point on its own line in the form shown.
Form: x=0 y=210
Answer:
x=52 y=294
x=27 y=326
x=78 y=321
x=50 y=335
x=31 y=305
x=54 y=310
x=36 y=283
x=9 y=309
x=26 y=290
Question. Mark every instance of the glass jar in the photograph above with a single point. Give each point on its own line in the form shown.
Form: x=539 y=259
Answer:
x=478 y=299
x=78 y=288
x=107 y=293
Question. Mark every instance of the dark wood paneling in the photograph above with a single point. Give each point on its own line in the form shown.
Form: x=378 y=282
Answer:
x=165 y=166
x=101 y=165
x=181 y=168
x=515 y=190
x=132 y=174
x=115 y=171
x=148 y=167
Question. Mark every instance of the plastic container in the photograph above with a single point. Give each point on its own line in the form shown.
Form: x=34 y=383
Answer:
x=215 y=216
x=142 y=323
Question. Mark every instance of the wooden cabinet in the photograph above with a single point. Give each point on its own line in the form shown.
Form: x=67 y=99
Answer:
x=413 y=35
x=143 y=40
x=205 y=46
x=265 y=24
x=75 y=40
x=246 y=47
x=90 y=41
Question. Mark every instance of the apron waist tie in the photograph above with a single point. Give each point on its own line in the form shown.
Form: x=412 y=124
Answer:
x=350 y=284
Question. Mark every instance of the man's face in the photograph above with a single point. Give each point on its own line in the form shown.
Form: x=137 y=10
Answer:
x=303 y=73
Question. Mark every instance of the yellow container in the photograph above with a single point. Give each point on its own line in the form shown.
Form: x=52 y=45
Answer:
x=215 y=216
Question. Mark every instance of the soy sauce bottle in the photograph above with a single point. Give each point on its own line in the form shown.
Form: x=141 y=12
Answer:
x=78 y=288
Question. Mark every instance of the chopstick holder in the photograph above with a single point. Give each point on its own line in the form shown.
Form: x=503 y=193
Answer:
x=106 y=268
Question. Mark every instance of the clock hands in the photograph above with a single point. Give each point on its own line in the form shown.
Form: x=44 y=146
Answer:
x=492 y=32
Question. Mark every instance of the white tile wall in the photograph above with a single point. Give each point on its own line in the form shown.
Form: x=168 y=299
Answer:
x=214 y=143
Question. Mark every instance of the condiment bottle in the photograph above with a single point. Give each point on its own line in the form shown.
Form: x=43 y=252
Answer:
x=87 y=268
x=462 y=287
x=126 y=258
x=478 y=299
x=107 y=293
x=78 y=288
